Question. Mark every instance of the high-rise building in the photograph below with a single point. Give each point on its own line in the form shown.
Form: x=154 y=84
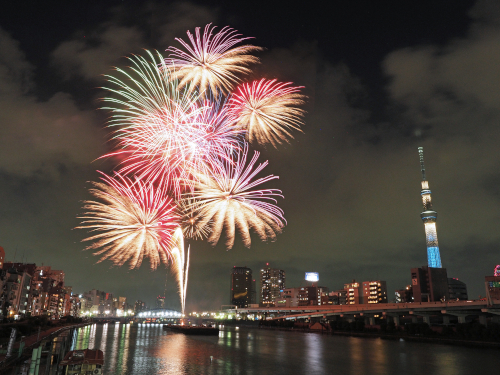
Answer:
x=457 y=289
x=272 y=282
x=429 y=284
x=242 y=285
x=429 y=217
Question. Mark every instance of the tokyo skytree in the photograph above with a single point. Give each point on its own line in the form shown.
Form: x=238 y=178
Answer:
x=429 y=217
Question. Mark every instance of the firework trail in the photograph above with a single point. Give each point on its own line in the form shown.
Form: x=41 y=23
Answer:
x=180 y=265
x=267 y=109
x=135 y=220
x=211 y=60
x=225 y=199
x=163 y=131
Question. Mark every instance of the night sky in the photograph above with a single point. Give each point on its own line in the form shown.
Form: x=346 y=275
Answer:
x=382 y=80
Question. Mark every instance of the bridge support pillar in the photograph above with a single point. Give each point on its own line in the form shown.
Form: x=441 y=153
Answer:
x=446 y=320
x=427 y=319
x=414 y=319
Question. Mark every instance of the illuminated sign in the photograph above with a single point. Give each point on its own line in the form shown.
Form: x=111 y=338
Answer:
x=312 y=276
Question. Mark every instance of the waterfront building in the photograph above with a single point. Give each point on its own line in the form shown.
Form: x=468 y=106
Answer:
x=272 y=282
x=241 y=287
x=303 y=296
x=318 y=295
x=337 y=297
x=57 y=303
x=371 y=291
x=44 y=279
x=139 y=306
x=374 y=291
x=404 y=295
x=429 y=217
x=15 y=294
x=457 y=290
x=429 y=284
x=289 y=297
x=492 y=284
x=354 y=293
x=122 y=303
x=30 y=269
x=75 y=306
x=106 y=304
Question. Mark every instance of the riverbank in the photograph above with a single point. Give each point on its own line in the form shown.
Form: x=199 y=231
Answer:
x=22 y=349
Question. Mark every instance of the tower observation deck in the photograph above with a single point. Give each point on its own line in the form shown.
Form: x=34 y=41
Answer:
x=429 y=217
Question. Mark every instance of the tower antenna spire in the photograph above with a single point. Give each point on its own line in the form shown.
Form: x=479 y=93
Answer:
x=422 y=166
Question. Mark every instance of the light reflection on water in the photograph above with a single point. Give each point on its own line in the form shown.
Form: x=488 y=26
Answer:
x=148 y=349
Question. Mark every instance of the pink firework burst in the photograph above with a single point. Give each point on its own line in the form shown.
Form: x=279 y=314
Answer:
x=226 y=199
x=267 y=109
x=212 y=60
x=135 y=220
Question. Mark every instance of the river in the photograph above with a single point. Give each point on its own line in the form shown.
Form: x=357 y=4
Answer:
x=148 y=349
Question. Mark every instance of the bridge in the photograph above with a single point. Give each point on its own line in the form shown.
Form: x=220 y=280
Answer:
x=159 y=315
x=484 y=311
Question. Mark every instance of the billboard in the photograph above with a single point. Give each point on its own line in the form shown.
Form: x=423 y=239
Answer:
x=312 y=276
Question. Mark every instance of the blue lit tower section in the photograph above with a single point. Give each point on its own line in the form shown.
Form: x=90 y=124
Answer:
x=429 y=217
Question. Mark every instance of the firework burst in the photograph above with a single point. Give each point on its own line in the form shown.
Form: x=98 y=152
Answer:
x=268 y=110
x=163 y=131
x=135 y=220
x=211 y=60
x=226 y=199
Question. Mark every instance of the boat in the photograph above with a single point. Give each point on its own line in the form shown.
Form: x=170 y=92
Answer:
x=86 y=361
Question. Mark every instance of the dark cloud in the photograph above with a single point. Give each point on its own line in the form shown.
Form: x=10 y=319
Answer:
x=92 y=53
x=40 y=136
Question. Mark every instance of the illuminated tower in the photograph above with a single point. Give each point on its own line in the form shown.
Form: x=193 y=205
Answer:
x=429 y=217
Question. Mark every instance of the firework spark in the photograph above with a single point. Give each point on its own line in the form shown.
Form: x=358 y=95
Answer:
x=211 y=60
x=136 y=220
x=190 y=219
x=225 y=199
x=268 y=110
x=162 y=131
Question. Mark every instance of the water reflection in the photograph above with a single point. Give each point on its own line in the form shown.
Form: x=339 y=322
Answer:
x=148 y=349
x=314 y=353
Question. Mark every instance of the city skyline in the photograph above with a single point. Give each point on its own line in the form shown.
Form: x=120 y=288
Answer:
x=378 y=88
